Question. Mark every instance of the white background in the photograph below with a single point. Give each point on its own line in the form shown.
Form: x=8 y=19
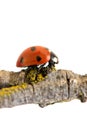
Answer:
x=60 y=25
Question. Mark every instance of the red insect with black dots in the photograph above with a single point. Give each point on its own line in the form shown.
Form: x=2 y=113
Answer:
x=36 y=56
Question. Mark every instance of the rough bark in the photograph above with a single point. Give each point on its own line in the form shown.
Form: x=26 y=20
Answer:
x=58 y=86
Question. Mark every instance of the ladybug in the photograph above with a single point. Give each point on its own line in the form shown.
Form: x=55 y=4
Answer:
x=36 y=56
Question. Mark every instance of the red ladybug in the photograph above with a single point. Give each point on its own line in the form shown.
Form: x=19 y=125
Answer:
x=36 y=55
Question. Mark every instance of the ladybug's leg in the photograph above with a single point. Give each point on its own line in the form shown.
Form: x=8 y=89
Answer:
x=40 y=66
x=44 y=69
x=33 y=67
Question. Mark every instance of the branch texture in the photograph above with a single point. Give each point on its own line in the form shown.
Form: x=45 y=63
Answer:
x=58 y=86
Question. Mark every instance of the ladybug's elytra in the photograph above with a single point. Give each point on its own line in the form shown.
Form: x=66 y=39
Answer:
x=36 y=55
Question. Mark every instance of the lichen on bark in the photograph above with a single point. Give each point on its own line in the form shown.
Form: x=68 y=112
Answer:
x=57 y=86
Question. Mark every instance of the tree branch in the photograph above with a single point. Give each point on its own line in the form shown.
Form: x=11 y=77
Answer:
x=58 y=86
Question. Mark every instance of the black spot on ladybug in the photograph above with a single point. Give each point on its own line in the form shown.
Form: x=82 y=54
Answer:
x=33 y=48
x=38 y=58
x=21 y=60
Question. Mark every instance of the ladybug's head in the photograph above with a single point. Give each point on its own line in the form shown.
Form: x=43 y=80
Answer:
x=53 y=59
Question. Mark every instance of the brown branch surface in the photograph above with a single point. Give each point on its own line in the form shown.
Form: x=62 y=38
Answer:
x=58 y=86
